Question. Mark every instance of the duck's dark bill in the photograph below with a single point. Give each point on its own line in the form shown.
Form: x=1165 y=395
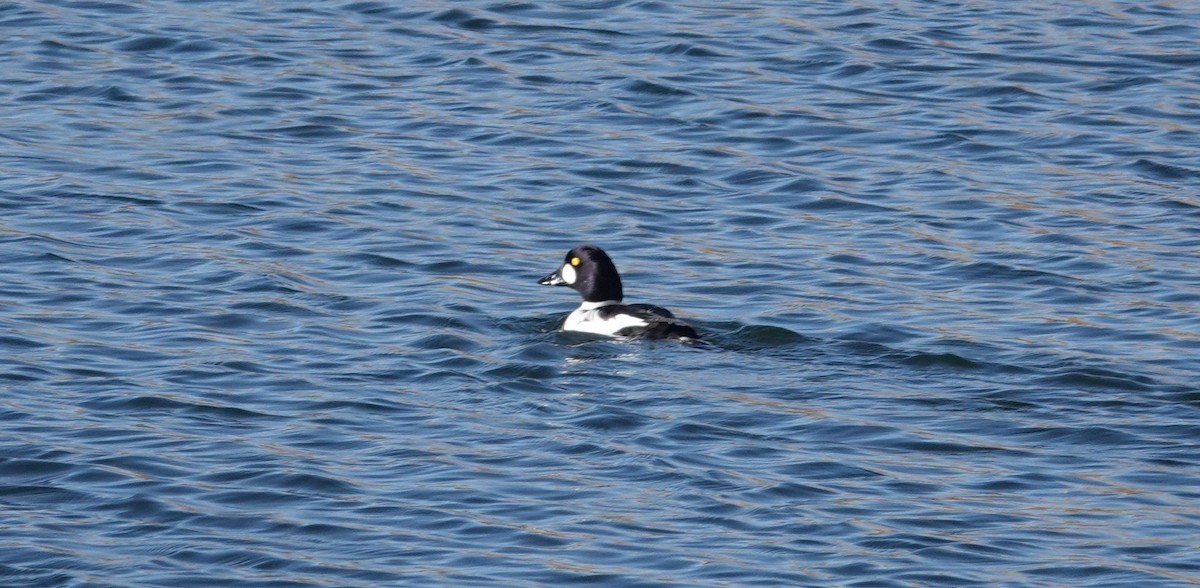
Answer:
x=553 y=280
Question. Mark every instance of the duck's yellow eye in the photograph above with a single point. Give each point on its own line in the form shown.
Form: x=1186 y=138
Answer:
x=575 y=261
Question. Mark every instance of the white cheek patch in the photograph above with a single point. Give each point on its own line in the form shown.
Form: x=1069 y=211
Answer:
x=567 y=273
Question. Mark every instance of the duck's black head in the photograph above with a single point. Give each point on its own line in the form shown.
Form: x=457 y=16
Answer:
x=589 y=270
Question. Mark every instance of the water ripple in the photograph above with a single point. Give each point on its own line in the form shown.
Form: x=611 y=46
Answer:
x=270 y=315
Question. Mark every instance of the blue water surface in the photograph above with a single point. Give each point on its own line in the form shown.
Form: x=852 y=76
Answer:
x=269 y=313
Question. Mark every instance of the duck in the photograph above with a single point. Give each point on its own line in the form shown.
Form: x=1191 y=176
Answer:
x=592 y=273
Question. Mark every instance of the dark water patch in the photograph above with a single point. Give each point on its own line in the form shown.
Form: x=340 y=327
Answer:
x=110 y=8
x=611 y=420
x=942 y=447
x=307 y=483
x=835 y=204
x=13 y=342
x=143 y=403
x=147 y=44
x=464 y=19
x=655 y=88
x=519 y=371
x=1092 y=436
x=1001 y=272
x=1099 y=378
x=751 y=338
x=940 y=360
x=104 y=92
x=33 y=495
x=445 y=341
x=197 y=46
x=1163 y=171
x=690 y=50
x=306 y=131
x=31 y=470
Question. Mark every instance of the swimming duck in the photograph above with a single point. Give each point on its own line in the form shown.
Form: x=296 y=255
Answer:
x=590 y=271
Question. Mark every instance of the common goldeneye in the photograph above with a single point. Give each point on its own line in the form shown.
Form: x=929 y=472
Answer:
x=589 y=270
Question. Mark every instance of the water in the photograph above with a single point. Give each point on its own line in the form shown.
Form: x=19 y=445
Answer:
x=268 y=314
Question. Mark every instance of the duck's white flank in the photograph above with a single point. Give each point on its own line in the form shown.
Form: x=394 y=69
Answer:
x=587 y=319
